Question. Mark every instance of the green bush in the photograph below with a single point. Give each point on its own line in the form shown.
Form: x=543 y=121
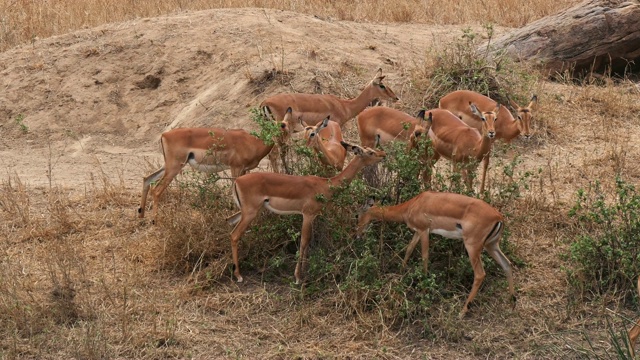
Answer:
x=464 y=65
x=604 y=255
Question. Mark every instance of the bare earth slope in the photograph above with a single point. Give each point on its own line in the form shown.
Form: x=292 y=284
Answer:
x=90 y=97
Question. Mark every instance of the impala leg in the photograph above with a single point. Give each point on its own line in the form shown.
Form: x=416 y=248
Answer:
x=246 y=218
x=307 y=227
x=478 y=272
x=163 y=183
x=274 y=154
x=494 y=251
x=485 y=166
x=466 y=176
x=424 y=247
x=428 y=170
x=146 y=185
x=633 y=336
x=410 y=248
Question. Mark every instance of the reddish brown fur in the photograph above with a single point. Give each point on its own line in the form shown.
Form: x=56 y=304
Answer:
x=288 y=194
x=507 y=128
x=454 y=140
x=313 y=108
x=327 y=143
x=479 y=224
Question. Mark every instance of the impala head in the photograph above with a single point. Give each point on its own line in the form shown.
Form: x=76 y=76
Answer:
x=524 y=115
x=364 y=217
x=422 y=127
x=312 y=132
x=488 y=119
x=380 y=91
x=369 y=156
x=285 y=124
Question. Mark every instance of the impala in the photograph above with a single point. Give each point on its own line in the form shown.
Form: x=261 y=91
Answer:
x=380 y=125
x=208 y=150
x=453 y=216
x=287 y=194
x=326 y=140
x=311 y=109
x=635 y=330
x=388 y=124
x=507 y=128
x=454 y=140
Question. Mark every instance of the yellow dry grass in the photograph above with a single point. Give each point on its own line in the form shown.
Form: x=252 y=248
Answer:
x=23 y=20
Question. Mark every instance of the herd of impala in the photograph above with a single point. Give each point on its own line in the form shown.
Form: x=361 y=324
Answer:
x=461 y=130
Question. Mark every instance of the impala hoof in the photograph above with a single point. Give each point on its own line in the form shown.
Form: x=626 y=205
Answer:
x=240 y=279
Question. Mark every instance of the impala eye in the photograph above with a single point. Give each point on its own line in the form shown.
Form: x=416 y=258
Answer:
x=382 y=87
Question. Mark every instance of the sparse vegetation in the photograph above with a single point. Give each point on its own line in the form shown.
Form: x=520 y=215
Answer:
x=604 y=256
x=82 y=277
x=20 y=122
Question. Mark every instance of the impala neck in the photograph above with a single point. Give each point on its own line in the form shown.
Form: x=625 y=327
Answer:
x=510 y=129
x=394 y=213
x=356 y=105
x=352 y=169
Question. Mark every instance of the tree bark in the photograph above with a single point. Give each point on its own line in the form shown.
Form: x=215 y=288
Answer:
x=596 y=35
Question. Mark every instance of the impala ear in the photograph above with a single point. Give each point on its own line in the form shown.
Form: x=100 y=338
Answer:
x=420 y=115
x=369 y=203
x=430 y=119
x=345 y=145
x=475 y=111
x=289 y=110
x=513 y=104
x=534 y=101
x=497 y=110
x=378 y=143
x=325 y=122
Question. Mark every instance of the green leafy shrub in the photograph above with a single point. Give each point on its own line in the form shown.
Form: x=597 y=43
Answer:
x=464 y=65
x=604 y=255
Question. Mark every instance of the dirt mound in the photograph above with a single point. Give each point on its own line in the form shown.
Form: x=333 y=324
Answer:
x=102 y=96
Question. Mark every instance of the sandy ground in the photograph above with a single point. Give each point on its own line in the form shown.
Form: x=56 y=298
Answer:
x=85 y=102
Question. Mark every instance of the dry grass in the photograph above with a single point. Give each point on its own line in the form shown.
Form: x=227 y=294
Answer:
x=81 y=277
x=22 y=21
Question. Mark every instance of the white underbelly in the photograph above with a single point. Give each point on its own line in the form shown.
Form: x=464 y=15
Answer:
x=267 y=205
x=208 y=168
x=456 y=234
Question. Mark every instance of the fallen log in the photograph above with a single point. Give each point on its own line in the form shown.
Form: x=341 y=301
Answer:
x=596 y=35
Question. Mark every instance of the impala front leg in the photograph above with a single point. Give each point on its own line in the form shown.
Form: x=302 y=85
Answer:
x=305 y=238
x=485 y=166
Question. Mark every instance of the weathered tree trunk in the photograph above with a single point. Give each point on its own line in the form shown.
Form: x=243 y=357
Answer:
x=593 y=35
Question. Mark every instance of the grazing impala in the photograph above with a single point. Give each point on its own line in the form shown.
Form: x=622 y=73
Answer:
x=635 y=330
x=507 y=128
x=453 y=216
x=460 y=143
x=388 y=124
x=311 y=109
x=288 y=194
x=205 y=149
x=326 y=140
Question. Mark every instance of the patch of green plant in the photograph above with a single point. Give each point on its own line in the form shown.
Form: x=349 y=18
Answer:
x=604 y=255
x=468 y=64
x=20 y=122
x=269 y=131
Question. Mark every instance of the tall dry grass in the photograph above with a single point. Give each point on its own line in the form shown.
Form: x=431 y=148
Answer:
x=22 y=21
